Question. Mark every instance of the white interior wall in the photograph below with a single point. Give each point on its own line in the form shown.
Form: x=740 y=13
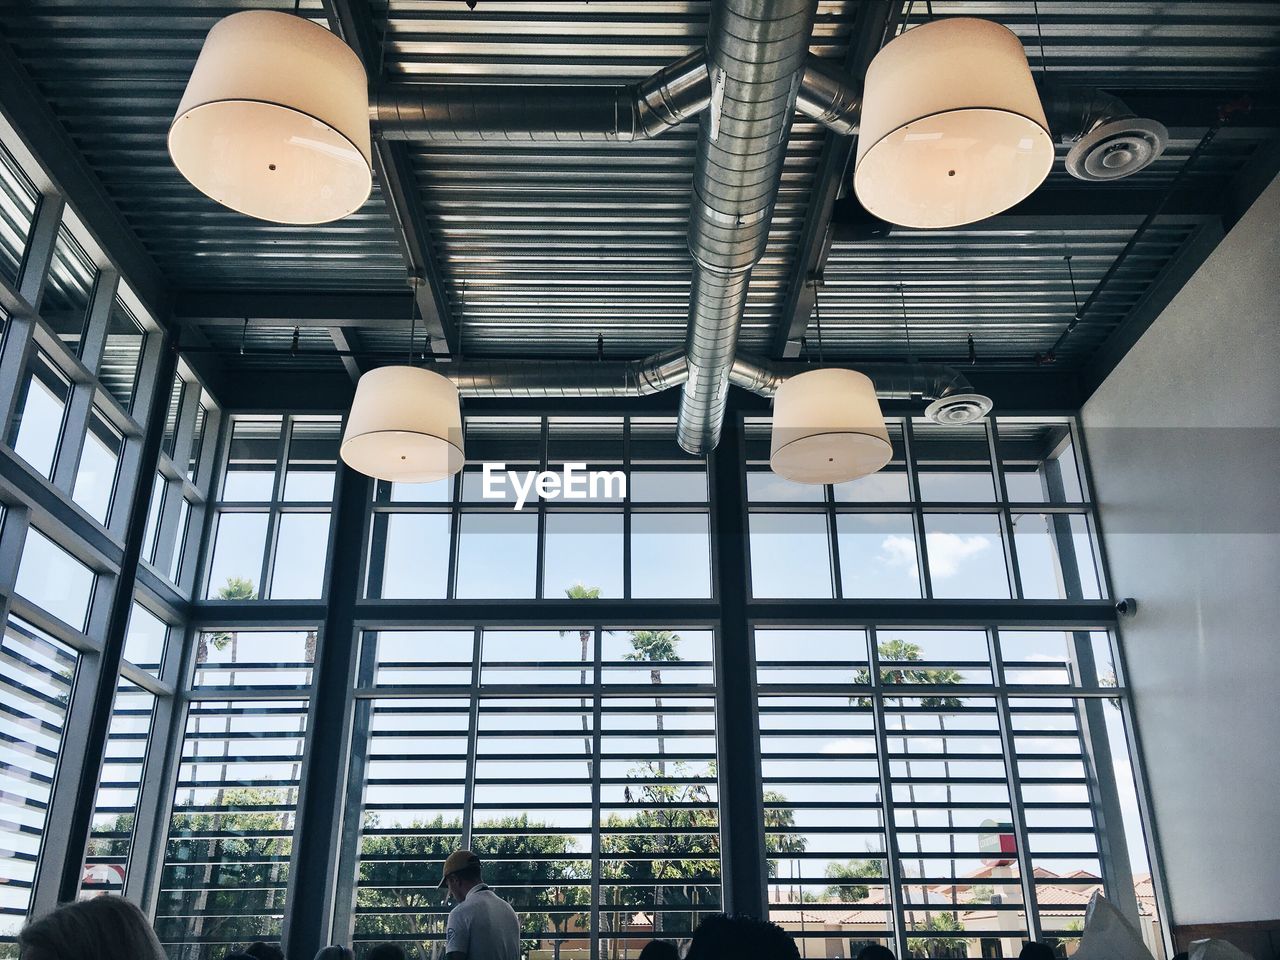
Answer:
x=1184 y=440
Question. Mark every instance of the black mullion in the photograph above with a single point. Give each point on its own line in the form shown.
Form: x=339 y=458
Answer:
x=626 y=513
x=540 y=568
x=917 y=509
x=1012 y=573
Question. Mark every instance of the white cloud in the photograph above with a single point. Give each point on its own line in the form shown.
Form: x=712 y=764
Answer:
x=947 y=551
x=898 y=551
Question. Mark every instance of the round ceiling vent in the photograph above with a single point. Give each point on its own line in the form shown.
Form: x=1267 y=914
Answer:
x=1117 y=149
x=958 y=408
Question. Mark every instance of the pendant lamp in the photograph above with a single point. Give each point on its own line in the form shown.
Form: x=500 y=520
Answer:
x=405 y=426
x=952 y=129
x=828 y=428
x=275 y=120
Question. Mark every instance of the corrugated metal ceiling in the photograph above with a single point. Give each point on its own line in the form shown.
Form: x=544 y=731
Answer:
x=544 y=246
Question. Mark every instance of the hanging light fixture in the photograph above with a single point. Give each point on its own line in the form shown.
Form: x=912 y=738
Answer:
x=274 y=122
x=828 y=428
x=952 y=129
x=405 y=426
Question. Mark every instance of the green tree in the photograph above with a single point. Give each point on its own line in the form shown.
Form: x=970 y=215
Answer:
x=845 y=890
x=579 y=591
x=236 y=588
x=939 y=947
x=226 y=870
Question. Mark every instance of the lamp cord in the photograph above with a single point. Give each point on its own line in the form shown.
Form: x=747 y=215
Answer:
x=413 y=317
x=1044 y=65
x=817 y=315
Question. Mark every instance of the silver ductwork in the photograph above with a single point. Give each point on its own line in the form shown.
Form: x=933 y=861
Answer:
x=756 y=50
x=476 y=112
x=567 y=378
x=893 y=381
x=1109 y=141
x=830 y=96
x=952 y=396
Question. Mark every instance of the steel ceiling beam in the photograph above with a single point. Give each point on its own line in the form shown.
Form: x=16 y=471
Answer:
x=353 y=22
x=875 y=21
x=1083 y=207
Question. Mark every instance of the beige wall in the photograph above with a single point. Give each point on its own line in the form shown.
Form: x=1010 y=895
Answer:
x=1184 y=438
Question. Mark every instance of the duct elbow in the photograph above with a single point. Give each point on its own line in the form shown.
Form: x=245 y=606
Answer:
x=830 y=97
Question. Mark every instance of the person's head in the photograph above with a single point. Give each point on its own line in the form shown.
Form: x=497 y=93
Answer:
x=333 y=953
x=387 y=951
x=264 y=951
x=875 y=951
x=660 y=950
x=1035 y=950
x=104 y=928
x=740 y=938
x=461 y=873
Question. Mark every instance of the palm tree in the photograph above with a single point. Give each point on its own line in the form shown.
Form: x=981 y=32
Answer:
x=898 y=650
x=579 y=591
x=655 y=646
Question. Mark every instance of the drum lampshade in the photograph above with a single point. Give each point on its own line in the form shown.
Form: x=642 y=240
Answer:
x=405 y=426
x=828 y=428
x=952 y=129
x=274 y=122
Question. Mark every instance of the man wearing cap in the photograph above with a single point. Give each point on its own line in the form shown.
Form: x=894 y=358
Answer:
x=482 y=926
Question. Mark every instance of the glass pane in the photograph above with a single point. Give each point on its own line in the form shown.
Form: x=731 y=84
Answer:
x=145 y=639
x=409 y=558
x=583 y=555
x=197 y=441
x=180 y=545
x=668 y=486
x=69 y=289
x=877 y=555
x=543 y=656
x=279 y=659
x=155 y=508
x=313 y=453
x=36 y=676
x=302 y=546
x=1039 y=462
x=953 y=463
x=51 y=578
x=889 y=485
x=966 y=555
x=497 y=555
x=168 y=442
x=811 y=656
x=765 y=486
x=18 y=200
x=933 y=657
x=239 y=541
x=670 y=555
x=252 y=459
x=1055 y=556
x=116 y=801
x=37 y=422
x=657 y=656
x=230 y=843
x=96 y=472
x=790 y=555
x=423 y=657
x=439 y=491
x=593 y=441
x=122 y=354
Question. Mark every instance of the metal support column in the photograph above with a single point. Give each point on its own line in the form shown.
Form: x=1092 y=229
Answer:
x=737 y=738
x=313 y=879
x=75 y=817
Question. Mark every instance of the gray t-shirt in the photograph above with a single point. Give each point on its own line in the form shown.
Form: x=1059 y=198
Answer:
x=484 y=927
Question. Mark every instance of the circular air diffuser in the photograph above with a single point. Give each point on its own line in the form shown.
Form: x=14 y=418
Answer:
x=958 y=408
x=1117 y=149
